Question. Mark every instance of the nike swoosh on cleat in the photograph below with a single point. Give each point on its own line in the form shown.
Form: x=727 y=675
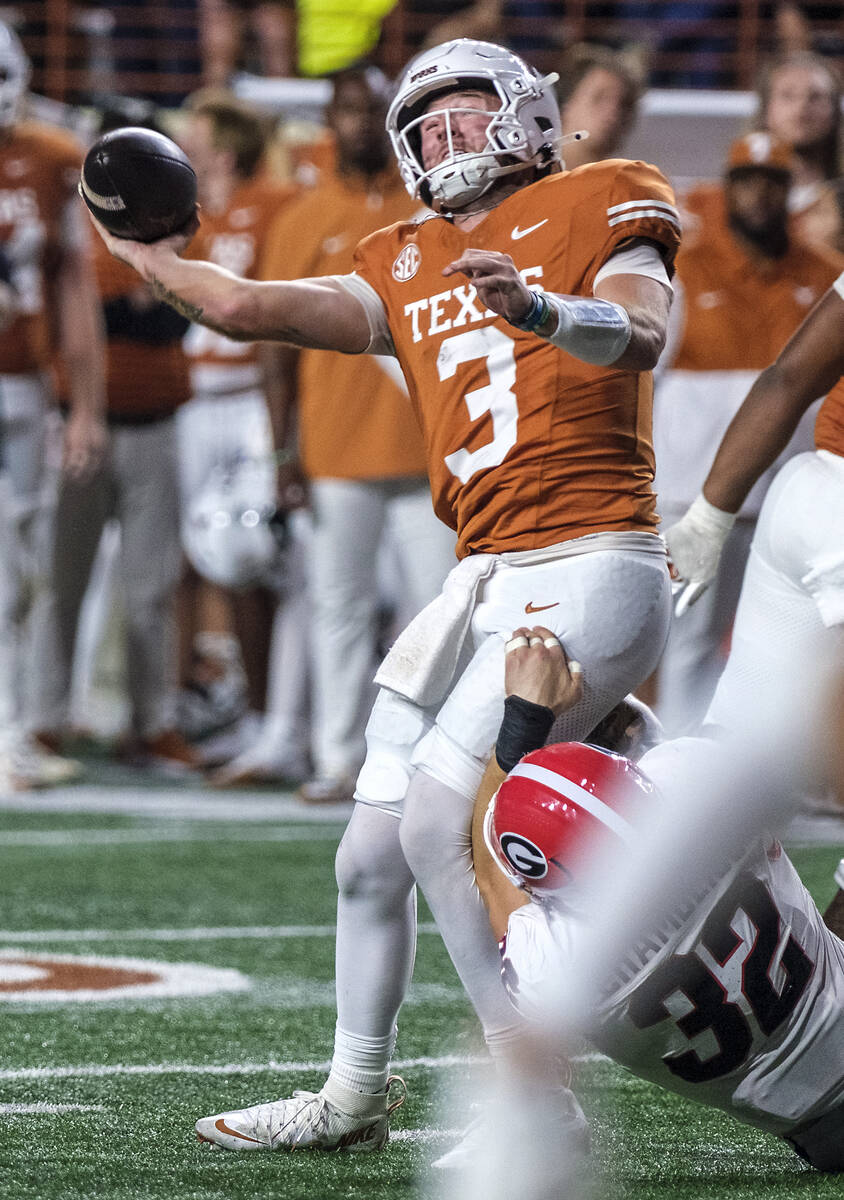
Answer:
x=532 y=608
x=223 y=1128
x=520 y=233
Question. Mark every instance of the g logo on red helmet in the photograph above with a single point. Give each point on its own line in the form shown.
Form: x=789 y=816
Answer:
x=524 y=856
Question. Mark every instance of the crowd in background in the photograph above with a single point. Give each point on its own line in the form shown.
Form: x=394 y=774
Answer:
x=221 y=538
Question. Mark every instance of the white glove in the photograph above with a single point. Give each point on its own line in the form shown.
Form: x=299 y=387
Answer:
x=694 y=548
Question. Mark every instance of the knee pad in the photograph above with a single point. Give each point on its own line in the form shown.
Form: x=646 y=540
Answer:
x=369 y=864
x=394 y=729
x=441 y=757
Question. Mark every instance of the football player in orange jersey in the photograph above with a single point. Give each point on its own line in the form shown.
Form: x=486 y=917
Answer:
x=526 y=313
x=793 y=590
x=43 y=232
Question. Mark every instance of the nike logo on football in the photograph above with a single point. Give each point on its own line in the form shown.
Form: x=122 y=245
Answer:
x=223 y=1128
x=520 y=233
x=532 y=608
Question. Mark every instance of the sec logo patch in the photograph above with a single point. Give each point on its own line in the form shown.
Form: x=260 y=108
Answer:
x=407 y=263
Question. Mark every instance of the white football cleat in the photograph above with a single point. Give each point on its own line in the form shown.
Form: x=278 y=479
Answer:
x=306 y=1121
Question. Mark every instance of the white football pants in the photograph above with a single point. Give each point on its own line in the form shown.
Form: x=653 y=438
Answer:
x=793 y=588
x=697 y=647
x=351 y=519
x=29 y=439
x=611 y=610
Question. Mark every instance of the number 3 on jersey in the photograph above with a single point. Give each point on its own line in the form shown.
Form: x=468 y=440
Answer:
x=497 y=398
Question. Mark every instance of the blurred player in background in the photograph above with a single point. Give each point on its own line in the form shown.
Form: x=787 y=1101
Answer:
x=225 y=431
x=793 y=591
x=535 y=406
x=361 y=448
x=42 y=229
x=744 y=284
x=135 y=481
x=800 y=102
x=256 y=35
x=736 y=1001
x=599 y=91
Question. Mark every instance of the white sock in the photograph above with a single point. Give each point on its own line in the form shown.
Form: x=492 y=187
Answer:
x=361 y=1064
x=839 y=874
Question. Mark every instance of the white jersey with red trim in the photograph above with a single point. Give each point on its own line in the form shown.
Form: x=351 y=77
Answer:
x=738 y=1004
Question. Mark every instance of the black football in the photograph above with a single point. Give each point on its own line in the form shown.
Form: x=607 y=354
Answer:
x=139 y=184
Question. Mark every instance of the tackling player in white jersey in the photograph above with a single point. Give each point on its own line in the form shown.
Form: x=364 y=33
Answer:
x=737 y=1001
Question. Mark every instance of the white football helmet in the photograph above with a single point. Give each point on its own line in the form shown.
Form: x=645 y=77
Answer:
x=524 y=130
x=14 y=76
x=233 y=534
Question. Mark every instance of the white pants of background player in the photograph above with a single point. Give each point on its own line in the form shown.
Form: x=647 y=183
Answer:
x=28 y=437
x=611 y=609
x=692 y=410
x=351 y=519
x=793 y=588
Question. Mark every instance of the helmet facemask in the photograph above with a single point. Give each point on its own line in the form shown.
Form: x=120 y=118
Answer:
x=522 y=132
x=465 y=175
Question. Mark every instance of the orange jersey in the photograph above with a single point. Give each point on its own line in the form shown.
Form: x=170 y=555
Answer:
x=39 y=171
x=141 y=379
x=355 y=419
x=527 y=446
x=814 y=218
x=829 y=424
x=740 y=311
x=234 y=239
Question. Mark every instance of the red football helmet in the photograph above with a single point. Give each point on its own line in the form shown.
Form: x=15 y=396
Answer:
x=556 y=807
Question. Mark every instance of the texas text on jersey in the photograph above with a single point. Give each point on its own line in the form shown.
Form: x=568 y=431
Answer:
x=504 y=413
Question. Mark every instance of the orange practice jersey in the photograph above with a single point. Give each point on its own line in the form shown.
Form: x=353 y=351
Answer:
x=814 y=218
x=234 y=239
x=740 y=312
x=526 y=445
x=355 y=419
x=141 y=379
x=829 y=424
x=39 y=171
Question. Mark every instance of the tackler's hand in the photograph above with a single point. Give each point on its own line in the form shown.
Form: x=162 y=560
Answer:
x=537 y=668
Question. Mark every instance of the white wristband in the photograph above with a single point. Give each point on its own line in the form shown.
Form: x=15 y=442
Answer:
x=595 y=331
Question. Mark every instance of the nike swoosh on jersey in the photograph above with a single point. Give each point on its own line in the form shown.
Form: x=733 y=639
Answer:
x=532 y=608
x=517 y=233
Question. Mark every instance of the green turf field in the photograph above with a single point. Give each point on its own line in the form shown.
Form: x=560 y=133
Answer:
x=99 y=1098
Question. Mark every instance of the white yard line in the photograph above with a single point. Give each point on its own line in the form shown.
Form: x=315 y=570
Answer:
x=40 y=1106
x=201 y=933
x=77 y=838
x=183 y=804
x=107 y=1070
